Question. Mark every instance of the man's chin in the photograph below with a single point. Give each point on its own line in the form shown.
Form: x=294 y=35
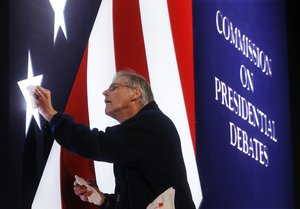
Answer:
x=108 y=113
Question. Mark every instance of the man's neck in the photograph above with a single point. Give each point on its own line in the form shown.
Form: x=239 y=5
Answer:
x=128 y=113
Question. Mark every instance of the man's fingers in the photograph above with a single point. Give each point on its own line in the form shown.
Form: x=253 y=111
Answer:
x=91 y=182
x=79 y=190
x=42 y=92
x=82 y=192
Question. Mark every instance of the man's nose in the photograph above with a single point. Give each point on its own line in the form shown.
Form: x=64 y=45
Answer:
x=105 y=93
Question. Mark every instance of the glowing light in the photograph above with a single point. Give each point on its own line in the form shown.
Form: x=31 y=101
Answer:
x=101 y=69
x=49 y=183
x=31 y=80
x=59 y=21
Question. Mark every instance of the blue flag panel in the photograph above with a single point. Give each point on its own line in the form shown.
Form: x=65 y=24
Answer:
x=242 y=104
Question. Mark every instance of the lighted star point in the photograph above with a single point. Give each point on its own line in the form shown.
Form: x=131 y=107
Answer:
x=31 y=109
x=59 y=21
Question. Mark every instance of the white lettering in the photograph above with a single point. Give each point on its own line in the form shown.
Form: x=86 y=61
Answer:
x=251 y=147
x=234 y=102
x=243 y=44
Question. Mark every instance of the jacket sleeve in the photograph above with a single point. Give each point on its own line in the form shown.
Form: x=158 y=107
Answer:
x=115 y=145
x=109 y=202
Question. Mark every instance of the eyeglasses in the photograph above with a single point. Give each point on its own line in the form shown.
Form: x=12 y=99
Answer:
x=114 y=86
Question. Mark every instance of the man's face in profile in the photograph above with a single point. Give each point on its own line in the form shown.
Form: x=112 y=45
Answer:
x=118 y=98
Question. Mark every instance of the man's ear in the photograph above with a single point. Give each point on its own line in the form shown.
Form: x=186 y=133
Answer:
x=136 y=94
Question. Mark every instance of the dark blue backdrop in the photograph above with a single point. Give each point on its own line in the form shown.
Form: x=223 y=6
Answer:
x=229 y=177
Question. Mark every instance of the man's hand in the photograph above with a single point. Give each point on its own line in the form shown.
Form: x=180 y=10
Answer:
x=88 y=191
x=43 y=102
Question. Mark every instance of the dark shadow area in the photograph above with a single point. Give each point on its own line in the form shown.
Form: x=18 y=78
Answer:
x=293 y=18
x=4 y=103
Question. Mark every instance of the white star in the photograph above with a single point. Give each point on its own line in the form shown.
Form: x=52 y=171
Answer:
x=59 y=21
x=31 y=80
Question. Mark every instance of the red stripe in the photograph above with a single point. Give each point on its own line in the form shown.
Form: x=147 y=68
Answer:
x=70 y=163
x=128 y=37
x=130 y=48
x=180 y=13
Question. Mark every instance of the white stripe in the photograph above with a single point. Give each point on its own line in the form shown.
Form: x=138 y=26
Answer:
x=165 y=81
x=48 y=193
x=100 y=71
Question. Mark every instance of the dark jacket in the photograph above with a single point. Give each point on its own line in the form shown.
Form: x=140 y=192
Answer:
x=146 y=153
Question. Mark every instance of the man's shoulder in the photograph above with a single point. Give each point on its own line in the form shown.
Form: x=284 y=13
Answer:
x=156 y=116
x=150 y=114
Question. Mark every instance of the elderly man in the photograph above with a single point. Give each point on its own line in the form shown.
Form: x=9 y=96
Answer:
x=144 y=148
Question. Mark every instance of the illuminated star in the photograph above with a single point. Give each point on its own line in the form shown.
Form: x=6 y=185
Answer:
x=59 y=21
x=31 y=80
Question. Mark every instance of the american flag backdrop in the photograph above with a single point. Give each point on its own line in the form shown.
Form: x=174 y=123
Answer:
x=74 y=47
